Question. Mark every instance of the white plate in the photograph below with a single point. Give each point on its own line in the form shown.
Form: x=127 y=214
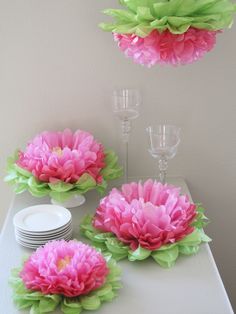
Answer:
x=40 y=239
x=46 y=233
x=41 y=218
x=42 y=236
x=36 y=245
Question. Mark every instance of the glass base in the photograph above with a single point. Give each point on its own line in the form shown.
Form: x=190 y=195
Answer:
x=72 y=202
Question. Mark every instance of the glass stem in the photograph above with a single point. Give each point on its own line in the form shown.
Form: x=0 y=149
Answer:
x=126 y=128
x=163 y=165
x=126 y=161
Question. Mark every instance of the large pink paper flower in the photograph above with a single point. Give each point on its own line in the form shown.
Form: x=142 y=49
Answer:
x=149 y=215
x=167 y=48
x=64 y=156
x=68 y=268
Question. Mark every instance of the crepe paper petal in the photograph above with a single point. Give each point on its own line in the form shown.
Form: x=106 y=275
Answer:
x=141 y=17
x=167 y=48
x=69 y=163
x=165 y=256
x=39 y=302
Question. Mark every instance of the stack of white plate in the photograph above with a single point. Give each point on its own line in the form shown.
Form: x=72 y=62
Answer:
x=36 y=225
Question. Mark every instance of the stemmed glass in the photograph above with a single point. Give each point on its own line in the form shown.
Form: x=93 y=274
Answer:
x=163 y=144
x=126 y=107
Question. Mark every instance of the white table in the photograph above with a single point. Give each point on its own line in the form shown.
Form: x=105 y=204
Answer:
x=192 y=286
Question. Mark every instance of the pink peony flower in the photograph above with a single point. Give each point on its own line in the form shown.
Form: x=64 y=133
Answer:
x=64 y=156
x=68 y=268
x=149 y=215
x=167 y=48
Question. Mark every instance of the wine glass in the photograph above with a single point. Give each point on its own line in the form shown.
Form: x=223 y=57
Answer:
x=126 y=107
x=163 y=144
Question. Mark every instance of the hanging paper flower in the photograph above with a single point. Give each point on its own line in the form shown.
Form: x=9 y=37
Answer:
x=167 y=48
x=61 y=164
x=70 y=274
x=169 y=32
x=149 y=219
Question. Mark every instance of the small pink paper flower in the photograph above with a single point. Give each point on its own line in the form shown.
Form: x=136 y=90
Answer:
x=68 y=268
x=149 y=215
x=167 y=48
x=63 y=156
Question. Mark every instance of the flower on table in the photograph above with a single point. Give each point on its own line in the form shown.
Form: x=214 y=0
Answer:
x=149 y=215
x=67 y=268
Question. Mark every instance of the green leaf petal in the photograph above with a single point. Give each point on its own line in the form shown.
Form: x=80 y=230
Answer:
x=101 y=187
x=192 y=239
x=35 y=308
x=188 y=250
x=166 y=258
x=85 y=183
x=20 y=188
x=179 y=15
x=107 y=288
x=49 y=303
x=139 y=254
x=22 y=171
x=60 y=196
x=60 y=186
x=71 y=306
x=117 y=247
x=90 y=303
x=112 y=170
x=12 y=176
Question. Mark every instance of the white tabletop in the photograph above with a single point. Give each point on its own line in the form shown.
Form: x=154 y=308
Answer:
x=192 y=286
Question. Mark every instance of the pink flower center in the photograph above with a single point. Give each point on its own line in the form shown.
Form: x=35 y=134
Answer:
x=63 y=262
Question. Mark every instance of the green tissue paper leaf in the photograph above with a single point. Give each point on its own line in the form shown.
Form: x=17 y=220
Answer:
x=49 y=304
x=60 y=186
x=188 y=250
x=71 y=306
x=140 y=17
x=90 y=303
x=166 y=258
x=22 y=171
x=192 y=239
x=139 y=254
x=117 y=248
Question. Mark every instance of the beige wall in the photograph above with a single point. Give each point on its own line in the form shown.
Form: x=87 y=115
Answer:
x=57 y=69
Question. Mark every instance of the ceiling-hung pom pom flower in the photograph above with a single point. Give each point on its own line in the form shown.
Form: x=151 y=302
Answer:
x=167 y=48
x=174 y=32
x=66 y=268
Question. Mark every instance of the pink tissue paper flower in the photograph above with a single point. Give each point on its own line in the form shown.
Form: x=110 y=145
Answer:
x=68 y=268
x=63 y=156
x=149 y=215
x=167 y=48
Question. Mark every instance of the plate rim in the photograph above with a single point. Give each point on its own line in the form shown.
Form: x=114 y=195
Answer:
x=19 y=215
